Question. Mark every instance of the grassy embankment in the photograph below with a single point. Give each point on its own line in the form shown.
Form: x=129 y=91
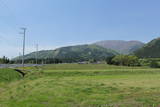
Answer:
x=8 y=75
x=73 y=85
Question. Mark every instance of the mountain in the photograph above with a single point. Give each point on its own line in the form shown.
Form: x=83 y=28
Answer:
x=150 y=50
x=75 y=53
x=122 y=47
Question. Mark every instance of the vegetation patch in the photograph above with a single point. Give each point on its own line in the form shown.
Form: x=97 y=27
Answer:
x=85 y=85
x=7 y=75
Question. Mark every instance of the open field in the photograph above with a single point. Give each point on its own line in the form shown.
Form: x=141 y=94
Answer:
x=88 y=85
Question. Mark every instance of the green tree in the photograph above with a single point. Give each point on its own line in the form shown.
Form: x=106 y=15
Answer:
x=125 y=60
x=154 y=64
x=109 y=60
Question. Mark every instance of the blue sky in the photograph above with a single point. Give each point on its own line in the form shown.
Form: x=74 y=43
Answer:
x=56 y=23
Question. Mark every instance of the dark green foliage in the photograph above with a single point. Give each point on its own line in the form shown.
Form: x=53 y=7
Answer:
x=149 y=61
x=43 y=61
x=154 y=64
x=4 y=60
x=72 y=54
x=109 y=60
x=144 y=62
x=126 y=60
x=150 y=50
x=93 y=60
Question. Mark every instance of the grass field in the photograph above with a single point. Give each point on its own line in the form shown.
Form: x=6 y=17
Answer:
x=88 y=85
x=8 y=75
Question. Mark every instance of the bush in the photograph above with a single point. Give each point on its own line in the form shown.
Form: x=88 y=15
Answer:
x=126 y=60
x=154 y=64
x=109 y=60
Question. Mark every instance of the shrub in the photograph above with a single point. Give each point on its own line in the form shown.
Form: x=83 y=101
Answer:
x=109 y=60
x=126 y=60
x=154 y=64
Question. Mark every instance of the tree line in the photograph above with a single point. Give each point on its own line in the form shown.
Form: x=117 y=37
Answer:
x=123 y=60
x=4 y=60
x=119 y=60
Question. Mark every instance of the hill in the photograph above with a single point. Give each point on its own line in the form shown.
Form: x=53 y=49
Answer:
x=121 y=46
x=75 y=53
x=150 y=50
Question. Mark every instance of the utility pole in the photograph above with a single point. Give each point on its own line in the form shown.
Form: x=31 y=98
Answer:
x=24 y=37
x=36 y=54
x=19 y=58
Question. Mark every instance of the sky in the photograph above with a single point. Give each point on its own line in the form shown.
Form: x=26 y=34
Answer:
x=56 y=23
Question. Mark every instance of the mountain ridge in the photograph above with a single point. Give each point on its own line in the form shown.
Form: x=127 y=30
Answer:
x=150 y=50
x=75 y=53
x=121 y=46
x=84 y=52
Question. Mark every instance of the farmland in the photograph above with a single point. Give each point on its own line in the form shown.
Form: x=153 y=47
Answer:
x=82 y=85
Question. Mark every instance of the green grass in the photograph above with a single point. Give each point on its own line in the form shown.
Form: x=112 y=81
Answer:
x=7 y=75
x=85 y=67
x=73 y=85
